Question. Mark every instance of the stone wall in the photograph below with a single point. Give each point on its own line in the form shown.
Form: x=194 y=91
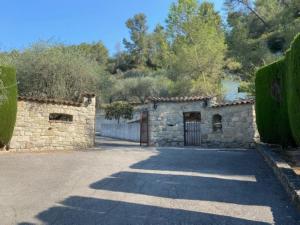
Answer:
x=238 y=127
x=35 y=131
x=166 y=124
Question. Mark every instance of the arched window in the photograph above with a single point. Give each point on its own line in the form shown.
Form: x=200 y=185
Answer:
x=217 y=123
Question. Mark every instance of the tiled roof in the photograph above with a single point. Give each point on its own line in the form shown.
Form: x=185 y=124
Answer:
x=56 y=101
x=178 y=99
x=240 y=102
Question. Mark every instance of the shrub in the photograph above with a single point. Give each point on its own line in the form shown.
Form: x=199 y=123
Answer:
x=8 y=104
x=271 y=106
x=293 y=88
x=47 y=71
x=278 y=99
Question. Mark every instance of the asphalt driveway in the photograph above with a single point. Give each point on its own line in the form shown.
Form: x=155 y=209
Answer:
x=134 y=186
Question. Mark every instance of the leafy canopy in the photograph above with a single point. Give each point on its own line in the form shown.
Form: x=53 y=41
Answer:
x=118 y=110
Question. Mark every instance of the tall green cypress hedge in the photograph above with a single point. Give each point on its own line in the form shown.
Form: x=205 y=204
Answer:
x=8 y=104
x=271 y=105
x=278 y=99
x=293 y=88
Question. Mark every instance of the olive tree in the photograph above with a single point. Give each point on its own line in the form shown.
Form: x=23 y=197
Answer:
x=56 y=72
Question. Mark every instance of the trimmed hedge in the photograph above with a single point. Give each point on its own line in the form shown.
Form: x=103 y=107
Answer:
x=293 y=90
x=271 y=106
x=8 y=106
x=278 y=99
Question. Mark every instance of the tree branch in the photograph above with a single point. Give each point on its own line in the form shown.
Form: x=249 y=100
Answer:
x=253 y=11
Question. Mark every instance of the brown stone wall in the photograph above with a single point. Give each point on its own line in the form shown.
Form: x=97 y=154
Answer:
x=34 y=130
x=238 y=127
x=166 y=124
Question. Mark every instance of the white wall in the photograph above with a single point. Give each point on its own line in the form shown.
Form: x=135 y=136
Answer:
x=113 y=129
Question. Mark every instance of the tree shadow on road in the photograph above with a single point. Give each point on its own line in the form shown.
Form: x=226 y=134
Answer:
x=222 y=162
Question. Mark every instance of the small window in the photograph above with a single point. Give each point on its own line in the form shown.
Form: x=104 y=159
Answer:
x=217 y=123
x=59 y=117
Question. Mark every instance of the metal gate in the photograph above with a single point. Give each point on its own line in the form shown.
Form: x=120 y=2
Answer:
x=192 y=129
x=144 y=131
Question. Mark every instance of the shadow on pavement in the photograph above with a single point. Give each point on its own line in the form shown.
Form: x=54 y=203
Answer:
x=84 y=211
x=222 y=162
x=107 y=143
x=264 y=190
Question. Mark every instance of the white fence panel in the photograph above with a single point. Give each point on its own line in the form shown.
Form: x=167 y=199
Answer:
x=122 y=130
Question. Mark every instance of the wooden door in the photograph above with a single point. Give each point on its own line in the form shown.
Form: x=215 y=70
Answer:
x=144 y=131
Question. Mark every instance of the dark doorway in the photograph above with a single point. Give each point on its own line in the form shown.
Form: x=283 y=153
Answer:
x=192 y=128
x=144 y=135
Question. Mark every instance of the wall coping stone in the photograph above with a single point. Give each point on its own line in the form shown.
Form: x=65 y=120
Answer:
x=179 y=99
x=283 y=171
x=234 y=103
x=57 y=101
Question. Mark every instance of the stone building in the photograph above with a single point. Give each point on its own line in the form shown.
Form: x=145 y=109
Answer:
x=198 y=121
x=47 y=124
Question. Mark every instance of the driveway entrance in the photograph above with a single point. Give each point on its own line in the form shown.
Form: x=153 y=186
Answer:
x=131 y=185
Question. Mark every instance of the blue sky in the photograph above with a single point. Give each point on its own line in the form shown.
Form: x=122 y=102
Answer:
x=74 y=21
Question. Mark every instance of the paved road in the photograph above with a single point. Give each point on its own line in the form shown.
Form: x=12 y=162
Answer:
x=133 y=186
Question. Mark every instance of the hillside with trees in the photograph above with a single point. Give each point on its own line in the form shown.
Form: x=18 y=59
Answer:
x=190 y=55
x=258 y=33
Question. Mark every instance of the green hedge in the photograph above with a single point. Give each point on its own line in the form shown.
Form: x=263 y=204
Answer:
x=8 y=104
x=271 y=110
x=293 y=90
x=278 y=99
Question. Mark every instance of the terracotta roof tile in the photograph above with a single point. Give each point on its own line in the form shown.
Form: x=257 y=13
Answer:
x=179 y=99
x=234 y=103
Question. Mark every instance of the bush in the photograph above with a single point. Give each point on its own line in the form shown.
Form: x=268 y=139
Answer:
x=56 y=72
x=278 y=99
x=8 y=104
x=271 y=106
x=293 y=90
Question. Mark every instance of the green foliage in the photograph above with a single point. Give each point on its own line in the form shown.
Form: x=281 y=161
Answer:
x=8 y=59
x=158 y=49
x=293 y=88
x=138 y=89
x=53 y=70
x=199 y=46
x=118 y=110
x=278 y=99
x=271 y=105
x=8 y=104
x=3 y=93
x=137 y=47
x=95 y=51
x=57 y=72
x=247 y=87
x=180 y=13
x=260 y=31
x=188 y=55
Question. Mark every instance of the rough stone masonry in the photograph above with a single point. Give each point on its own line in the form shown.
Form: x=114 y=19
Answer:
x=235 y=126
x=44 y=124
